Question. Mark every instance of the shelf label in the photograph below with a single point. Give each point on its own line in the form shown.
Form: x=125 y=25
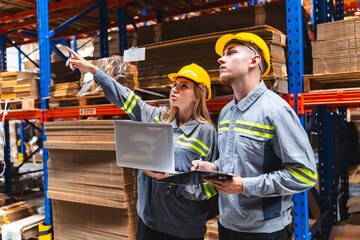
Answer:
x=87 y=111
x=134 y=54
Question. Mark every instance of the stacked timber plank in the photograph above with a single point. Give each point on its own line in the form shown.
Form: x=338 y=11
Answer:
x=69 y=89
x=336 y=57
x=15 y=211
x=166 y=57
x=18 y=85
x=92 y=197
x=338 y=47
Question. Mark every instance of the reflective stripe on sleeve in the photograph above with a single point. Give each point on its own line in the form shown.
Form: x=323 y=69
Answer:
x=209 y=192
x=304 y=175
x=130 y=103
x=156 y=120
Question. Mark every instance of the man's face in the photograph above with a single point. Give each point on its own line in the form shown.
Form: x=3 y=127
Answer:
x=234 y=63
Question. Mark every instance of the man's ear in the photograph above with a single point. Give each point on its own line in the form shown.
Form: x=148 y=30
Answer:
x=254 y=61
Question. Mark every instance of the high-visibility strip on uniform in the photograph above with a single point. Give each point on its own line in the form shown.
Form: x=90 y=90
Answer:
x=212 y=189
x=130 y=103
x=256 y=129
x=224 y=125
x=304 y=175
x=210 y=193
x=156 y=119
x=194 y=144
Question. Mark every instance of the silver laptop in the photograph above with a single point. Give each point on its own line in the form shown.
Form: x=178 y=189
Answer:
x=147 y=146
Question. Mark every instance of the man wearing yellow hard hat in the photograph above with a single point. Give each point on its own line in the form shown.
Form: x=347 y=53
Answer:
x=261 y=142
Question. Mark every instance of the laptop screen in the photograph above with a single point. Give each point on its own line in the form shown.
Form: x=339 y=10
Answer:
x=146 y=146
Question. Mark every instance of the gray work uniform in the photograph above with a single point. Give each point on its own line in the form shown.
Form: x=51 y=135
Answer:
x=177 y=210
x=261 y=140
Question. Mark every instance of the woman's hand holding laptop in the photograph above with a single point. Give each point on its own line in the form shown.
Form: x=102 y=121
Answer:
x=157 y=175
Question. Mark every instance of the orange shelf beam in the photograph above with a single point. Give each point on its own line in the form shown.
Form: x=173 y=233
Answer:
x=334 y=99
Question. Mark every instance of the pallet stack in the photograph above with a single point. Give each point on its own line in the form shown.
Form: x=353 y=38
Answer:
x=92 y=197
x=19 y=87
x=167 y=57
x=15 y=211
x=336 y=57
x=24 y=183
x=69 y=89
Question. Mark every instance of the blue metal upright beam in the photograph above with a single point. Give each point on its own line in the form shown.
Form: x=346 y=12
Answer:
x=103 y=29
x=22 y=146
x=322 y=12
x=296 y=71
x=344 y=169
x=295 y=48
x=7 y=159
x=45 y=72
x=123 y=41
x=75 y=43
x=3 y=65
x=327 y=168
x=339 y=10
x=159 y=16
x=19 y=59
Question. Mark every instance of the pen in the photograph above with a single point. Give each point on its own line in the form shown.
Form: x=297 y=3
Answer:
x=197 y=167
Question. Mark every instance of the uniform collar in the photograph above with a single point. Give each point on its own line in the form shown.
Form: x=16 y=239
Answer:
x=188 y=127
x=251 y=97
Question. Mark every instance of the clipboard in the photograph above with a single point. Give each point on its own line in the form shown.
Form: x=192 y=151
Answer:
x=195 y=177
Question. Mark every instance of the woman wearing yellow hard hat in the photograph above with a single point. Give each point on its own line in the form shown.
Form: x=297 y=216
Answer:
x=170 y=212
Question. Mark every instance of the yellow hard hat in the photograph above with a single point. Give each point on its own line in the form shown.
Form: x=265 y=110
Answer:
x=195 y=73
x=251 y=40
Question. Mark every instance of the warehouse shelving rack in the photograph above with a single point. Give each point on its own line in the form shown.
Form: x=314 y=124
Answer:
x=331 y=106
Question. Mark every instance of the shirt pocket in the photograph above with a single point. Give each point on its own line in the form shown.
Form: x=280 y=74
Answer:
x=222 y=138
x=249 y=150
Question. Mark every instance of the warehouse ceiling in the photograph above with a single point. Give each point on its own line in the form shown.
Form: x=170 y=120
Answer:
x=18 y=18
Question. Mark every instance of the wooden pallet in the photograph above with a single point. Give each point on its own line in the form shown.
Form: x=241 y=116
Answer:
x=349 y=81
x=88 y=100
x=26 y=103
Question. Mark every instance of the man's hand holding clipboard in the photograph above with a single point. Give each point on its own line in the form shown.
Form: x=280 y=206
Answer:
x=228 y=185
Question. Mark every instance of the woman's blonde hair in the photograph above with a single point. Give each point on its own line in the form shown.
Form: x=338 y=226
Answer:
x=200 y=112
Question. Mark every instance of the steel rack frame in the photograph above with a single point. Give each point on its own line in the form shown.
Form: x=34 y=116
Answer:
x=297 y=99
